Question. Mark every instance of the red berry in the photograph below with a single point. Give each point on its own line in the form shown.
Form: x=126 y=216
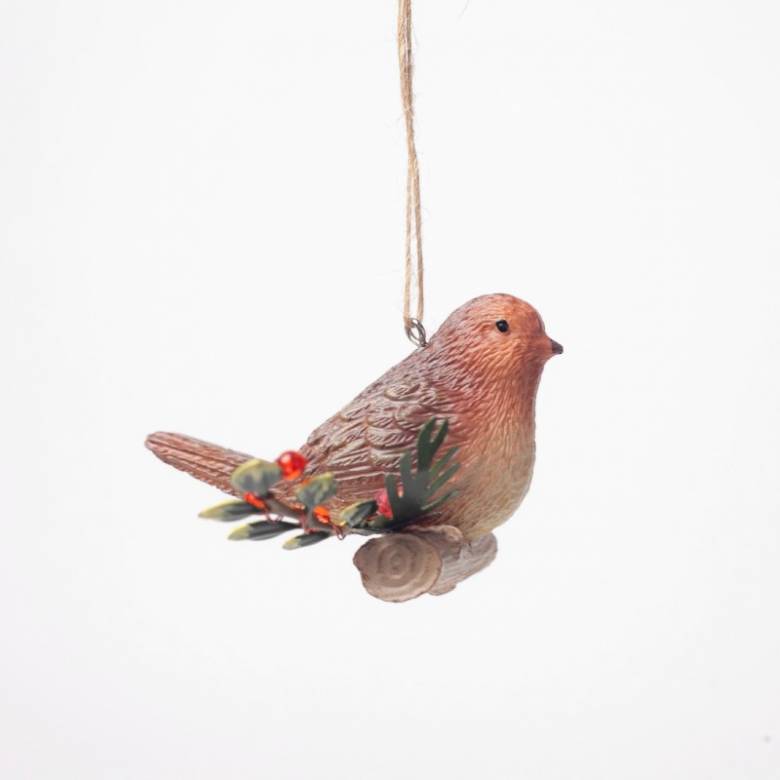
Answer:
x=383 y=503
x=291 y=463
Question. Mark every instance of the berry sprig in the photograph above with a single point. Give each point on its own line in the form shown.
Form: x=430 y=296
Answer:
x=397 y=505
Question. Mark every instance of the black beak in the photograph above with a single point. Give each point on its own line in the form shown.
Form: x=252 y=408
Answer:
x=557 y=349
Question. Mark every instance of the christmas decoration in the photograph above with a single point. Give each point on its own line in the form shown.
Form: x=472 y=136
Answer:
x=379 y=466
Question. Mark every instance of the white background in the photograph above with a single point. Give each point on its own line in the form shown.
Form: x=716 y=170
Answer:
x=200 y=217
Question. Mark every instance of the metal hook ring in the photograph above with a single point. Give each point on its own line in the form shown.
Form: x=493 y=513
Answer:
x=415 y=332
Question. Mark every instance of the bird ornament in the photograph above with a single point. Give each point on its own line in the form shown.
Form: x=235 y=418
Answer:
x=374 y=467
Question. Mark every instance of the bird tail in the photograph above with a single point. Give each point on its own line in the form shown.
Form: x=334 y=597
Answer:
x=207 y=462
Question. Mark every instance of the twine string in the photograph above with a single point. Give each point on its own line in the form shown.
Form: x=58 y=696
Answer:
x=413 y=250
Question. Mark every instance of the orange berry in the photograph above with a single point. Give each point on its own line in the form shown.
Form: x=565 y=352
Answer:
x=256 y=502
x=322 y=513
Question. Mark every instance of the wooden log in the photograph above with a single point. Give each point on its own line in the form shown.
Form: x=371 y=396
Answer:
x=402 y=566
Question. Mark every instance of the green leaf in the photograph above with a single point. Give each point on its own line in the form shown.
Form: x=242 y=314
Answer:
x=436 y=468
x=306 y=540
x=356 y=514
x=405 y=469
x=317 y=490
x=378 y=524
x=439 y=438
x=427 y=445
x=391 y=486
x=230 y=510
x=439 y=483
x=313 y=524
x=416 y=494
x=437 y=502
x=264 y=529
x=256 y=476
x=424 y=451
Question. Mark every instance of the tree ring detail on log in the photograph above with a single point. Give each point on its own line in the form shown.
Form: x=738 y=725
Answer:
x=398 y=567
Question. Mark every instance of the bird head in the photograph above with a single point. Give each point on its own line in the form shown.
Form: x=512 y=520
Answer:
x=495 y=336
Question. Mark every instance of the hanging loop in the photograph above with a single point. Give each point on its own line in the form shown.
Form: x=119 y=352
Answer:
x=415 y=332
x=413 y=246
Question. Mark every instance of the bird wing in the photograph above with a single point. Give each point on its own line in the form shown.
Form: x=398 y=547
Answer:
x=366 y=439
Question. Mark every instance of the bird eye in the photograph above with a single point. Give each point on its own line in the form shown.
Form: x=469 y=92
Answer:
x=502 y=325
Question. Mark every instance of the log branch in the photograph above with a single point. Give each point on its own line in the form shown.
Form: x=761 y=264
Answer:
x=402 y=566
x=393 y=567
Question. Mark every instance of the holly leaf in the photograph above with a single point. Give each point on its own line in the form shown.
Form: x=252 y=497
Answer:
x=263 y=529
x=227 y=511
x=306 y=540
x=355 y=515
x=378 y=524
x=256 y=476
x=316 y=490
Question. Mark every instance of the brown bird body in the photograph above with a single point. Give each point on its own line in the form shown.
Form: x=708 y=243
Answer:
x=480 y=371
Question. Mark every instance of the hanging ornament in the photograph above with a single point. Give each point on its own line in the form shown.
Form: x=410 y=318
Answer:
x=380 y=467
